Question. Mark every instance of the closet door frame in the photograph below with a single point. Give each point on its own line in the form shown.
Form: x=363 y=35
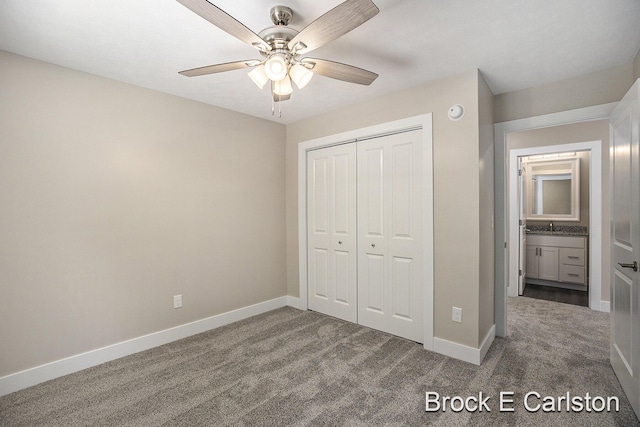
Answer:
x=423 y=122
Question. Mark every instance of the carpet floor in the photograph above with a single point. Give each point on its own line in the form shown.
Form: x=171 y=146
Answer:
x=289 y=367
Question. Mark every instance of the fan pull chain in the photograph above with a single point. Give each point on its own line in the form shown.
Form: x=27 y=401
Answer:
x=273 y=106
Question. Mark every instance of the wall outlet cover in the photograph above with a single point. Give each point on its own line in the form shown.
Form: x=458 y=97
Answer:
x=456 y=314
x=177 y=301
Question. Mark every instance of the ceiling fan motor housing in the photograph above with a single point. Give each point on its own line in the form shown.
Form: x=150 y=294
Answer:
x=278 y=36
x=281 y=15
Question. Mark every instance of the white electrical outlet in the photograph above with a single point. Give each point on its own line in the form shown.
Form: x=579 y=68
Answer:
x=177 y=301
x=456 y=314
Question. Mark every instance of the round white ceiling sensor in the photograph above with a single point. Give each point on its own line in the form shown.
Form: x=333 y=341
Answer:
x=456 y=112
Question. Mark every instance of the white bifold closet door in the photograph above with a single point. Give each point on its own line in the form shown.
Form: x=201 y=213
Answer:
x=331 y=222
x=390 y=265
x=364 y=219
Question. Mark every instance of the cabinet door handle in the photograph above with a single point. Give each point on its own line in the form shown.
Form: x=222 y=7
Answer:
x=573 y=257
x=633 y=265
x=573 y=275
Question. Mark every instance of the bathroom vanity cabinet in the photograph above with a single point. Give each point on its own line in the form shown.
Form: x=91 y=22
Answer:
x=557 y=260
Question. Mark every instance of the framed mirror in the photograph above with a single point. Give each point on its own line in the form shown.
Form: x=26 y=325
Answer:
x=553 y=190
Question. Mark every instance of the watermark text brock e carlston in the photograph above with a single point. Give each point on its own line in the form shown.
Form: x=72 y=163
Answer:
x=532 y=402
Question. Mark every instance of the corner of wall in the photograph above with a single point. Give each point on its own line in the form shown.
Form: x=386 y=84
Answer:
x=486 y=101
x=601 y=87
x=636 y=67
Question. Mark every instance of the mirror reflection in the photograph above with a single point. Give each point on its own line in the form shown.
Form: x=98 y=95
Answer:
x=554 y=190
x=552 y=194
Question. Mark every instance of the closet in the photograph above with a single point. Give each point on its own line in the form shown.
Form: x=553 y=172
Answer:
x=364 y=232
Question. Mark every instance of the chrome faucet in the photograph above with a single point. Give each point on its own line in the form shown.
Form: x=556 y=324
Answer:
x=551 y=226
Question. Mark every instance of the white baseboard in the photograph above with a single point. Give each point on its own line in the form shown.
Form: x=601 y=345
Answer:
x=486 y=343
x=49 y=371
x=605 y=306
x=294 y=302
x=463 y=352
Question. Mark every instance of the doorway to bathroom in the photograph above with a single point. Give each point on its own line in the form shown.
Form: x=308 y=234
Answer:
x=564 y=254
x=553 y=222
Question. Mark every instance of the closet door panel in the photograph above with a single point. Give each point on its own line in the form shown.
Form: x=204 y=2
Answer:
x=331 y=233
x=371 y=192
x=373 y=271
x=401 y=195
x=401 y=272
x=343 y=209
x=389 y=226
x=319 y=273
x=343 y=269
x=405 y=240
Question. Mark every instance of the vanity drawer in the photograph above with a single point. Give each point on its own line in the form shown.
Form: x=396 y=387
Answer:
x=572 y=256
x=572 y=274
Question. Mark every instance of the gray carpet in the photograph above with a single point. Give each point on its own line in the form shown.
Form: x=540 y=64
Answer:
x=289 y=367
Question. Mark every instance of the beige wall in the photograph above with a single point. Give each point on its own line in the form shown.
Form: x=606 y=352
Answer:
x=567 y=134
x=597 y=88
x=115 y=198
x=456 y=190
x=636 y=67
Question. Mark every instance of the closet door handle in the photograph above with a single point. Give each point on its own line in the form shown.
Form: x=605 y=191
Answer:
x=633 y=265
x=373 y=245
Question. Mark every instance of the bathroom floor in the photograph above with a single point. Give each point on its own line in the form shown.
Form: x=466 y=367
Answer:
x=551 y=293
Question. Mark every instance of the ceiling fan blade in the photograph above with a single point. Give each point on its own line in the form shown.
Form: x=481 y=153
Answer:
x=333 y=24
x=340 y=71
x=219 y=68
x=226 y=22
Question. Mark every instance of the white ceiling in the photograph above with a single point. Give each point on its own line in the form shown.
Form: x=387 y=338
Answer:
x=516 y=44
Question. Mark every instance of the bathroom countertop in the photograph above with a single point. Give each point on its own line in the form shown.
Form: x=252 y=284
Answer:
x=558 y=230
x=558 y=233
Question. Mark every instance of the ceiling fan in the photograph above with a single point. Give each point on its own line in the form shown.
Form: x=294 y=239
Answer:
x=282 y=47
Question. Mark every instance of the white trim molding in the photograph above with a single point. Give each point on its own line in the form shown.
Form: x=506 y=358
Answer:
x=596 y=211
x=69 y=365
x=294 y=302
x=424 y=122
x=464 y=352
x=501 y=130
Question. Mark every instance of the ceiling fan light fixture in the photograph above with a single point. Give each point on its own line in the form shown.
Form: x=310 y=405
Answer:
x=283 y=87
x=258 y=76
x=276 y=67
x=300 y=75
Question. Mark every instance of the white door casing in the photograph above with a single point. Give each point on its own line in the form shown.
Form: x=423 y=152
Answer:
x=423 y=122
x=332 y=234
x=595 y=222
x=625 y=244
x=522 y=203
x=504 y=237
x=390 y=234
